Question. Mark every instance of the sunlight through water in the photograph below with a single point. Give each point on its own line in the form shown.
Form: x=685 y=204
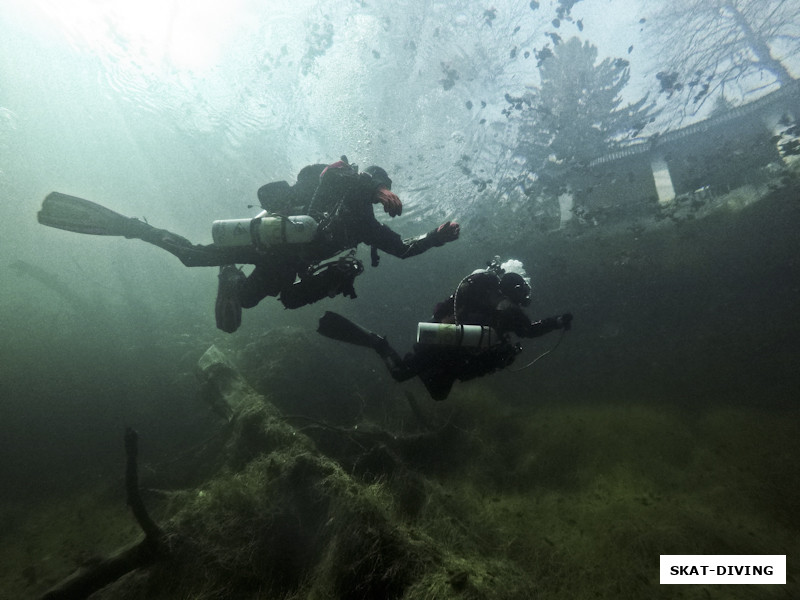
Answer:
x=175 y=35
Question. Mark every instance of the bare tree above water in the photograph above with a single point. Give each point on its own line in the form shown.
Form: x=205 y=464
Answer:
x=722 y=47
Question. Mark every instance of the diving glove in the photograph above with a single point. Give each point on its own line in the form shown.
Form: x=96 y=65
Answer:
x=446 y=232
x=564 y=321
x=391 y=203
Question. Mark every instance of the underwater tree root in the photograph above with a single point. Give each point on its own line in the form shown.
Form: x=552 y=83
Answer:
x=88 y=579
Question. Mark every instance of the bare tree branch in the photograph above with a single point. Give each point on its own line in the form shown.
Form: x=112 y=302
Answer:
x=88 y=579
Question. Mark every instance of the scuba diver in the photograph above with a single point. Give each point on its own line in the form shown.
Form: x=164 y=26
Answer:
x=469 y=334
x=293 y=243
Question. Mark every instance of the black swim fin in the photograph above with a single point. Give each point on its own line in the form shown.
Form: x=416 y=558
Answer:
x=337 y=327
x=71 y=213
x=228 y=307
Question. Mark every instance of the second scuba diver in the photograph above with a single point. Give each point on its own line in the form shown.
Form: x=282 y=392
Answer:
x=469 y=334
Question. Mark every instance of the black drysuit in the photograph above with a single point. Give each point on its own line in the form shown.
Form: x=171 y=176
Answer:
x=341 y=202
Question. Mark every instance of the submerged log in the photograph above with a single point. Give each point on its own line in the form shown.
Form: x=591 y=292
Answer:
x=312 y=511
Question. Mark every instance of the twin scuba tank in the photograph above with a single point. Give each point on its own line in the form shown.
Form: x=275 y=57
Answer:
x=445 y=334
x=264 y=231
x=466 y=336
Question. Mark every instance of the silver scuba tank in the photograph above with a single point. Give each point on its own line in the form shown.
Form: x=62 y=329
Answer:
x=264 y=231
x=445 y=334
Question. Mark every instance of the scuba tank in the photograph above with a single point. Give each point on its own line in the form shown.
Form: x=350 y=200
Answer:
x=264 y=231
x=445 y=334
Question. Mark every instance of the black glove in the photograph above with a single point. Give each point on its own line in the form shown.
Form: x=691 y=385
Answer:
x=564 y=321
x=446 y=232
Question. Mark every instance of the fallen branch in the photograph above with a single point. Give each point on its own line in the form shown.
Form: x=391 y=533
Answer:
x=90 y=578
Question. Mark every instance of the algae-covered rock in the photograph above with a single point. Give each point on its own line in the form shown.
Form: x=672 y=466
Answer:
x=222 y=386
